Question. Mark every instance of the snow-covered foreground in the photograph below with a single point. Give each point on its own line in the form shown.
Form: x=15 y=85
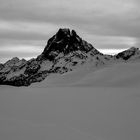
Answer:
x=69 y=113
x=81 y=105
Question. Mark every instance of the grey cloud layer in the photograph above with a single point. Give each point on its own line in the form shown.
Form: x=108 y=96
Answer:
x=114 y=17
x=109 y=17
x=95 y=20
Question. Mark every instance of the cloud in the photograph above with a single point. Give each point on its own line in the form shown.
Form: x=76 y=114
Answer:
x=109 y=17
x=27 y=27
x=107 y=24
x=21 y=51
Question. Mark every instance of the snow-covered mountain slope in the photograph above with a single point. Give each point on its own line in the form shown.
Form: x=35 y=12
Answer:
x=119 y=75
x=64 y=52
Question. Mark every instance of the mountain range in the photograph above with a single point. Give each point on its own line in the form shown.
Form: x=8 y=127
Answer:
x=64 y=52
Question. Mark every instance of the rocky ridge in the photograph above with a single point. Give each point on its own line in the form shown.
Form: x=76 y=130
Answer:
x=64 y=52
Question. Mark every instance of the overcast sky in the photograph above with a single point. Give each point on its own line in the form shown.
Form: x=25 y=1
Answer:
x=26 y=25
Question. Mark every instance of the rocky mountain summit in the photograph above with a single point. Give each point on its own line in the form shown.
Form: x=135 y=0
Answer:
x=64 y=52
x=63 y=43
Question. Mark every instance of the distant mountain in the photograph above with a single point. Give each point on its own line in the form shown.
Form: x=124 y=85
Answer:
x=129 y=54
x=64 y=52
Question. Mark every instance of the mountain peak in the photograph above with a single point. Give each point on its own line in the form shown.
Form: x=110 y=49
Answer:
x=66 y=32
x=127 y=53
x=13 y=61
x=65 y=41
x=63 y=31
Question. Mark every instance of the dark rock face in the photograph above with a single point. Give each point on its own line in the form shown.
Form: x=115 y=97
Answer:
x=32 y=67
x=1 y=66
x=125 y=55
x=65 y=42
x=20 y=80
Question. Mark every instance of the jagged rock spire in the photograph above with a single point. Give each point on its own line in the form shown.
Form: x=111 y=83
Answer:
x=64 y=41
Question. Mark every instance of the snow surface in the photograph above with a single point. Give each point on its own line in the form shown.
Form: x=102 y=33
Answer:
x=100 y=105
x=117 y=75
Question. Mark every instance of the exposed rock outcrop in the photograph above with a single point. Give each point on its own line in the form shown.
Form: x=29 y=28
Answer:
x=127 y=54
x=63 y=43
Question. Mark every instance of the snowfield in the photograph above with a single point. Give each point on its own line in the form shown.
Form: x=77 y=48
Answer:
x=112 y=75
x=100 y=105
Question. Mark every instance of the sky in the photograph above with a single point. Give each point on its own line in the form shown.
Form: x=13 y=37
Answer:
x=26 y=25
